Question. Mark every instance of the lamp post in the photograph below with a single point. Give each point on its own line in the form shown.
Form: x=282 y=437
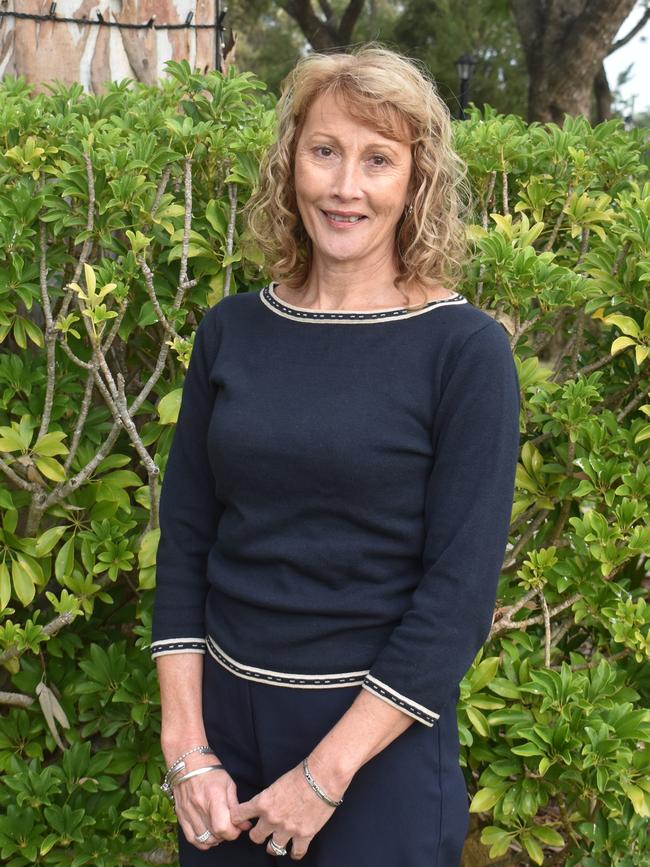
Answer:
x=465 y=66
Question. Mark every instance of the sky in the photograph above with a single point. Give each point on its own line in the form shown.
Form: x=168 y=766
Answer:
x=636 y=51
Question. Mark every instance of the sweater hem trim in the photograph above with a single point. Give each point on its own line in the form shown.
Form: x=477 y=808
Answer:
x=412 y=708
x=282 y=678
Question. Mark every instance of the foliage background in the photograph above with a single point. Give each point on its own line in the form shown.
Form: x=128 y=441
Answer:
x=118 y=227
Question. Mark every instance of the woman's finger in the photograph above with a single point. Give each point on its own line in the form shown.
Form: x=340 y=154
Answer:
x=299 y=846
x=260 y=832
x=281 y=840
x=233 y=805
x=218 y=817
x=201 y=807
x=190 y=827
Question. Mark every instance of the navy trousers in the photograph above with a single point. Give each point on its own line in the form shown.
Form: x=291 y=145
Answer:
x=406 y=807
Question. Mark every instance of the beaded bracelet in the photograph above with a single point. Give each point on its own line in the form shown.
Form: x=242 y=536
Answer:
x=179 y=765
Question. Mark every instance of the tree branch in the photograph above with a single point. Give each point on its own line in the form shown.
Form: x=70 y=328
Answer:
x=16 y=699
x=641 y=23
x=50 y=334
x=232 y=197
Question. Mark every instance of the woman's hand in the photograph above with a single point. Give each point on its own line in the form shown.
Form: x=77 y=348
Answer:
x=289 y=809
x=205 y=802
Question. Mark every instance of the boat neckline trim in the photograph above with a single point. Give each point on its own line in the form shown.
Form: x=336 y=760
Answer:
x=306 y=314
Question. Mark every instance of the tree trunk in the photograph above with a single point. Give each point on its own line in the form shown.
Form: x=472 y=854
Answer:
x=565 y=42
x=603 y=96
x=324 y=34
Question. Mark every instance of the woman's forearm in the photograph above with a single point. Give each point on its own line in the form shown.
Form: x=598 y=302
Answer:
x=181 y=679
x=365 y=729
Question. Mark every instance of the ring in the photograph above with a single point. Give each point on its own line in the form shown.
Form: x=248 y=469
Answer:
x=277 y=850
x=203 y=837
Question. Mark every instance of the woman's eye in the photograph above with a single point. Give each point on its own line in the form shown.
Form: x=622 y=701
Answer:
x=320 y=150
x=379 y=157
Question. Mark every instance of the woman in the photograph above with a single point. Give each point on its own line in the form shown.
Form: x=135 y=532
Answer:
x=337 y=498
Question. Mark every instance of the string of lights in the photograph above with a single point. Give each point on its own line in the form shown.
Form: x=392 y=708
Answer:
x=100 y=21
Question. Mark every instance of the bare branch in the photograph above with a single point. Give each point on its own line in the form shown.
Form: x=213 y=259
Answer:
x=151 y=292
x=87 y=365
x=16 y=699
x=81 y=421
x=547 y=629
x=87 y=244
x=187 y=225
x=641 y=23
x=232 y=197
x=50 y=335
x=15 y=478
x=132 y=431
x=162 y=186
x=49 y=630
x=560 y=218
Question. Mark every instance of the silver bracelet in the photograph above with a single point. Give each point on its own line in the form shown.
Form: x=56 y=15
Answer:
x=312 y=782
x=179 y=764
x=197 y=771
x=205 y=749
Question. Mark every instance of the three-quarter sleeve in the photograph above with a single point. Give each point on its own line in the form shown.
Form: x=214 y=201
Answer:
x=467 y=510
x=189 y=509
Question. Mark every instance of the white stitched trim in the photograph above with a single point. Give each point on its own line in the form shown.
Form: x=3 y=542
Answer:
x=182 y=650
x=302 y=314
x=394 y=692
x=399 y=707
x=176 y=640
x=281 y=678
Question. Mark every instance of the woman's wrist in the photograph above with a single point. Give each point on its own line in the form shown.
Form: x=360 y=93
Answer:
x=175 y=743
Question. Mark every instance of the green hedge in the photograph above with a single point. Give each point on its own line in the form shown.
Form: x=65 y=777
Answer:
x=119 y=225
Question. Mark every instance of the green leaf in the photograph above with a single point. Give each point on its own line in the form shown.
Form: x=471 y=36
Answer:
x=51 y=444
x=12 y=441
x=5 y=586
x=526 y=750
x=64 y=563
x=51 y=469
x=497 y=839
x=533 y=848
x=484 y=800
x=625 y=323
x=169 y=406
x=24 y=586
x=548 y=836
x=640 y=799
x=91 y=282
x=478 y=721
x=484 y=673
x=47 y=540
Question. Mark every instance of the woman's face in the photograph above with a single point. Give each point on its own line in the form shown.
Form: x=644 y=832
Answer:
x=344 y=168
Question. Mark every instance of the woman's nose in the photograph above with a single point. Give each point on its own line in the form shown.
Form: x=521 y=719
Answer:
x=347 y=179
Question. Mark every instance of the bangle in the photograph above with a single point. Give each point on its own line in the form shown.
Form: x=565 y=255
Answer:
x=179 y=764
x=312 y=782
x=168 y=785
x=197 y=771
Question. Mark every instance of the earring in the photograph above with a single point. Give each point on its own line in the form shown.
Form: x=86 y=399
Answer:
x=409 y=210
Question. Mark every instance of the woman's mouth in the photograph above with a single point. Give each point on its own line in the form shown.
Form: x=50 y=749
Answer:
x=343 y=220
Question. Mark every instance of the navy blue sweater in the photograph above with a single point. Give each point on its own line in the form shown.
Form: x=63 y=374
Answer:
x=336 y=502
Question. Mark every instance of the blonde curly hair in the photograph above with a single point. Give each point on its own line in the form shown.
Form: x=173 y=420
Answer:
x=394 y=96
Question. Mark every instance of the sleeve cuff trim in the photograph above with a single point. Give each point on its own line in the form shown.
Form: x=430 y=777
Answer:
x=417 y=711
x=178 y=645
